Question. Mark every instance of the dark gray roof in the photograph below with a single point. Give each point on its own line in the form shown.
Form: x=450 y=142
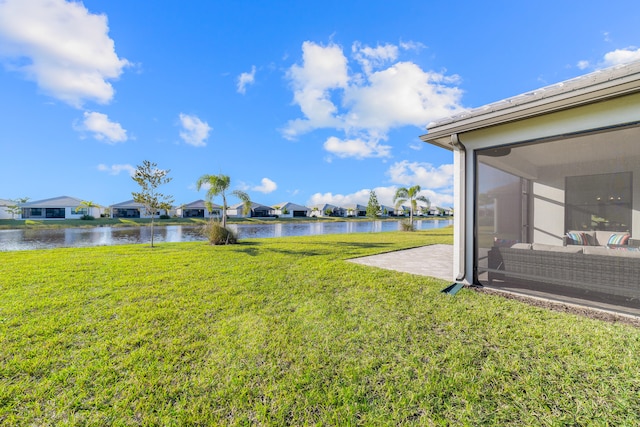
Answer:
x=54 y=202
x=200 y=204
x=128 y=204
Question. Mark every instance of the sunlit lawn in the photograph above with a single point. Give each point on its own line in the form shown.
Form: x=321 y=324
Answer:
x=285 y=332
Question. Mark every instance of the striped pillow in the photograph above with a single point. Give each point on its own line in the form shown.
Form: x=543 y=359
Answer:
x=618 y=239
x=575 y=238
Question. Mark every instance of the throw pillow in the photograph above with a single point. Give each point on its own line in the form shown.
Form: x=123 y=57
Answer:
x=575 y=238
x=618 y=239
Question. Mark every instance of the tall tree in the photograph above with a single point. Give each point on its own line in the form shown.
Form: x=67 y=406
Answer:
x=411 y=195
x=373 y=207
x=218 y=185
x=149 y=178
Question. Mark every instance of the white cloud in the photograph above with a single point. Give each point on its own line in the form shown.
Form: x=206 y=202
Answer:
x=61 y=46
x=323 y=69
x=116 y=169
x=621 y=56
x=384 y=195
x=195 y=132
x=417 y=145
x=613 y=58
x=102 y=128
x=401 y=95
x=374 y=57
x=407 y=174
x=583 y=65
x=360 y=197
x=411 y=45
x=366 y=106
x=246 y=79
x=267 y=186
x=357 y=148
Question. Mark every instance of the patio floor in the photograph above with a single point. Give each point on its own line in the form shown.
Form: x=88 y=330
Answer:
x=432 y=260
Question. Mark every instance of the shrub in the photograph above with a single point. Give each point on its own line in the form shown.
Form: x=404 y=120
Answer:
x=165 y=217
x=217 y=234
x=87 y=217
x=406 y=225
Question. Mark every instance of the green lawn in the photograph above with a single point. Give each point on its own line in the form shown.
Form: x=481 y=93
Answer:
x=285 y=332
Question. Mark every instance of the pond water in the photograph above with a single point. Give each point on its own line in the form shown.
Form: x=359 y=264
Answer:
x=24 y=239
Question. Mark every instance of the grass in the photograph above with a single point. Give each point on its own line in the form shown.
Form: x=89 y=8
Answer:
x=285 y=332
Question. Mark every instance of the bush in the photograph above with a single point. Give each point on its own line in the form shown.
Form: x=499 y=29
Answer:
x=87 y=217
x=406 y=225
x=217 y=234
x=165 y=217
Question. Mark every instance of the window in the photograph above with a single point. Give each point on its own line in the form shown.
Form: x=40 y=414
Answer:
x=56 y=213
x=599 y=202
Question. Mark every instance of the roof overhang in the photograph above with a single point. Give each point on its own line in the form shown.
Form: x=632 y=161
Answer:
x=591 y=88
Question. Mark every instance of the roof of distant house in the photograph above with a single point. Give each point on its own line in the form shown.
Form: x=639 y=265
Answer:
x=54 y=202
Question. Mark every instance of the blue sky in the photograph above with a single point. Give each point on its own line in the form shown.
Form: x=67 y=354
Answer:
x=308 y=101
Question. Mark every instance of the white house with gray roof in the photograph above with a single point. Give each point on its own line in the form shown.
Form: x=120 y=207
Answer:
x=132 y=209
x=290 y=210
x=62 y=207
x=199 y=209
x=256 y=210
x=326 y=209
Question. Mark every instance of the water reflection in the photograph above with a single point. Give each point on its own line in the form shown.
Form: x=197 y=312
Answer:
x=24 y=239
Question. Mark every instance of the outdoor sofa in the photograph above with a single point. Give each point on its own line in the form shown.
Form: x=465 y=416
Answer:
x=593 y=266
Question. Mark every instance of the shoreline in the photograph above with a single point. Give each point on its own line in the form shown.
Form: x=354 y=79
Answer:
x=19 y=224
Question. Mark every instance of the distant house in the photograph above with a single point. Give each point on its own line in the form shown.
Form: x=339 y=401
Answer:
x=386 y=210
x=4 y=205
x=422 y=211
x=547 y=190
x=433 y=211
x=256 y=211
x=437 y=211
x=355 y=209
x=446 y=211
x=290 y=210
x=198 y=209
x=327 y=210
x=63 y=207
x=133 y=209
x=403 y=210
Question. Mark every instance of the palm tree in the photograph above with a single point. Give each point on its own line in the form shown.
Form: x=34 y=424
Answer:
x=87 y=204
x=218 y=185
x=411 y=195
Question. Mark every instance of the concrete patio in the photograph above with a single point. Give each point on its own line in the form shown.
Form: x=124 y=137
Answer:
x=433 y=260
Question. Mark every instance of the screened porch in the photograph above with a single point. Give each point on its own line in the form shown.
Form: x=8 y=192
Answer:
x=561 y=217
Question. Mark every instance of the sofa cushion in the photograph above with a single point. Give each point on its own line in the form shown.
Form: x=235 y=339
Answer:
x=552 y=248
x=617 y=252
